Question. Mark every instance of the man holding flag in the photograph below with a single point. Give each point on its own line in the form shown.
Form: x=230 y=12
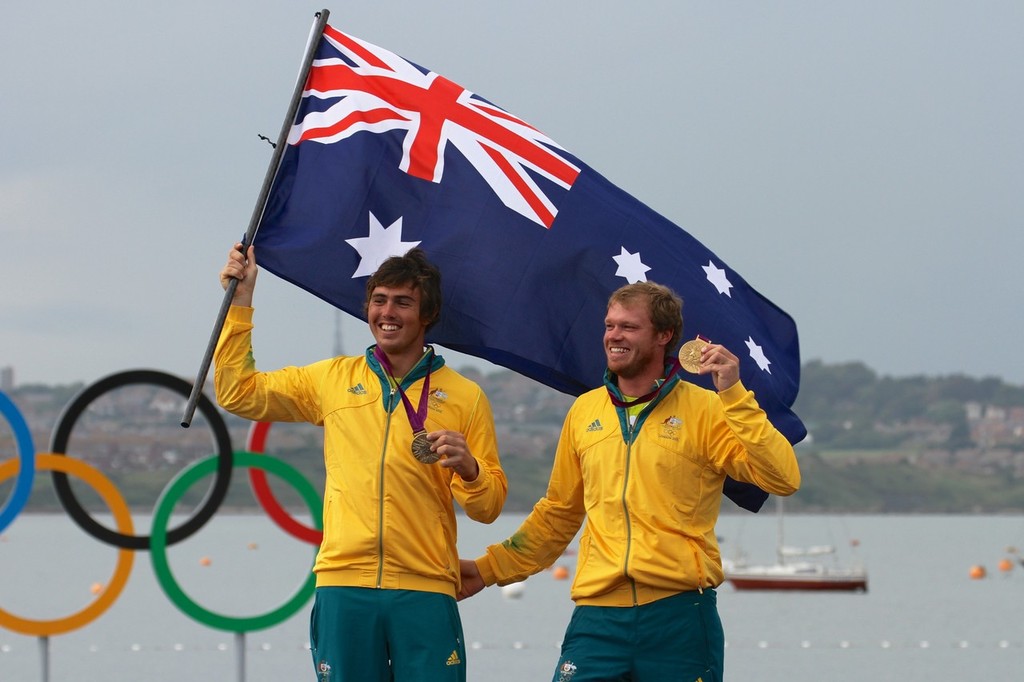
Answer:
x=642 y=460
x=405 y=436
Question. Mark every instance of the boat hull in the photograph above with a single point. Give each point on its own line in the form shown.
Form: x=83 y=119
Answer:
x=798 y=583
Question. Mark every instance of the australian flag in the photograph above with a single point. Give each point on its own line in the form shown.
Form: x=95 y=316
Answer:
x=384 y=155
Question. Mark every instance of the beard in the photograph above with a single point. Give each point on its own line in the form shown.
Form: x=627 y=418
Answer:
x=639 y=364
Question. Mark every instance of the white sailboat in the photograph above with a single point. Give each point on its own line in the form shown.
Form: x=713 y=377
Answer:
x=796 y=568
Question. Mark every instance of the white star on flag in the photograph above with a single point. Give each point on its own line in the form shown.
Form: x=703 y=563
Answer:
x=717 y=277
x=380 y=244
x=630 y=266
x=758 y=355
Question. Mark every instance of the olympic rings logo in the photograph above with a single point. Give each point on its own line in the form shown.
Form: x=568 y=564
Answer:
x=220 y=465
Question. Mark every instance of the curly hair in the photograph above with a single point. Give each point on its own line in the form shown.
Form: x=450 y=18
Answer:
x=412 y=269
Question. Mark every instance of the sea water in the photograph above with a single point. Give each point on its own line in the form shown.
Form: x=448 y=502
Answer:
x=923 y=618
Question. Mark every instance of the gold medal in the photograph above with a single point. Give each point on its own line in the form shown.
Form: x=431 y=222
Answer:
x=421 y=448
x=689 y=354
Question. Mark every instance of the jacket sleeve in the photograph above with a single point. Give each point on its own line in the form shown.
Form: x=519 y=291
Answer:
x=745 y=444
x=483 y=497
x=286 y=395
x=550 y=527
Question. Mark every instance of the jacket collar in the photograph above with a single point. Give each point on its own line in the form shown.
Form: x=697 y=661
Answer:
x=668 y=381
x=418 y=371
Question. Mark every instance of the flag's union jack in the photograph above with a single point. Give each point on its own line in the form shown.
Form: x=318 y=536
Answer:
x=367 y=88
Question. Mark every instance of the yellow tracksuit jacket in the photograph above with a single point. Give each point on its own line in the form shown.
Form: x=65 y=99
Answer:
x=389 y=521
x=650 y=493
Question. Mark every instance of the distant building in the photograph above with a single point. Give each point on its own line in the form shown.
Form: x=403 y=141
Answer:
x=6 y=379
x=993 y=426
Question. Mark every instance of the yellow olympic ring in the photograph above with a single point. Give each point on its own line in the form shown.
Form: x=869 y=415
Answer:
x=122 y=516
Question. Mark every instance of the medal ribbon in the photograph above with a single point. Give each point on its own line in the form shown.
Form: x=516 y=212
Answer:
x=417 y=417
x=618 y=402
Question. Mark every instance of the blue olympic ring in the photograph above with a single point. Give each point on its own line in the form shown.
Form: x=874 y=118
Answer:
x=27 y=457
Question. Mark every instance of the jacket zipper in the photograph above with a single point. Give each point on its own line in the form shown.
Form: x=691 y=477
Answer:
x=380 y=492
x=625 y=510
x=631 y=430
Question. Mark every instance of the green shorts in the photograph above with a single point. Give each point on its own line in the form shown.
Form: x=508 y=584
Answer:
x=366 y=635
x=676 y=639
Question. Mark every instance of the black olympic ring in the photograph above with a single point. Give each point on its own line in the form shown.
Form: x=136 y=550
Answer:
x=221 y=438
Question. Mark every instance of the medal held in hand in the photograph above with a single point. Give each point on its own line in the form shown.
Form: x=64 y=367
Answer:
x=421 y=448
x=690 y=352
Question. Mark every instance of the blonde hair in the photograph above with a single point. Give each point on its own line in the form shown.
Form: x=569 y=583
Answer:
x=664 y=306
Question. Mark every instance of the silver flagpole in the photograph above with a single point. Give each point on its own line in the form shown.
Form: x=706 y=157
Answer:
x=282 y=140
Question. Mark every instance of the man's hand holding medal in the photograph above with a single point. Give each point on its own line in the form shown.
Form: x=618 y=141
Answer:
x=700 y=356
x=451 y=449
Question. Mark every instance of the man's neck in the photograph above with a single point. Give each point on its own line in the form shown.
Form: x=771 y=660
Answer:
x=639 y=385
x=402 y=363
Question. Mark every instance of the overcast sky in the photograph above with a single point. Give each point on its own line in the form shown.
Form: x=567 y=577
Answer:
x=860 y=164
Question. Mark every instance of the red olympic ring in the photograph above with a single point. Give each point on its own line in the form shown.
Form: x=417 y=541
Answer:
x=255 y=442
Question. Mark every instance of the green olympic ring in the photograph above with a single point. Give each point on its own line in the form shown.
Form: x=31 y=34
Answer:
x=158 y=541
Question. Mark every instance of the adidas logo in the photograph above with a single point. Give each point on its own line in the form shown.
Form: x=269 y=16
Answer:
x=357 y=389
x=454 y=659
x=595 y=426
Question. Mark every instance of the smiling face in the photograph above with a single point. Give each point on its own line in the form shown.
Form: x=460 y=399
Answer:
x=632 y=346
x=394 y=316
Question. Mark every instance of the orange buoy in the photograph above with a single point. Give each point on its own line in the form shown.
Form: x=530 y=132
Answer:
x=560 y=573
x=978 y=572
x=1005 y=565
x=96 y=588
x=205 y=561
x=253 y=545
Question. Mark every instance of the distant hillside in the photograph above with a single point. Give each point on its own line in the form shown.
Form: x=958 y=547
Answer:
x=877 y=444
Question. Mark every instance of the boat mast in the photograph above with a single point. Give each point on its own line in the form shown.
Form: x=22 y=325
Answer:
x=781 y=542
